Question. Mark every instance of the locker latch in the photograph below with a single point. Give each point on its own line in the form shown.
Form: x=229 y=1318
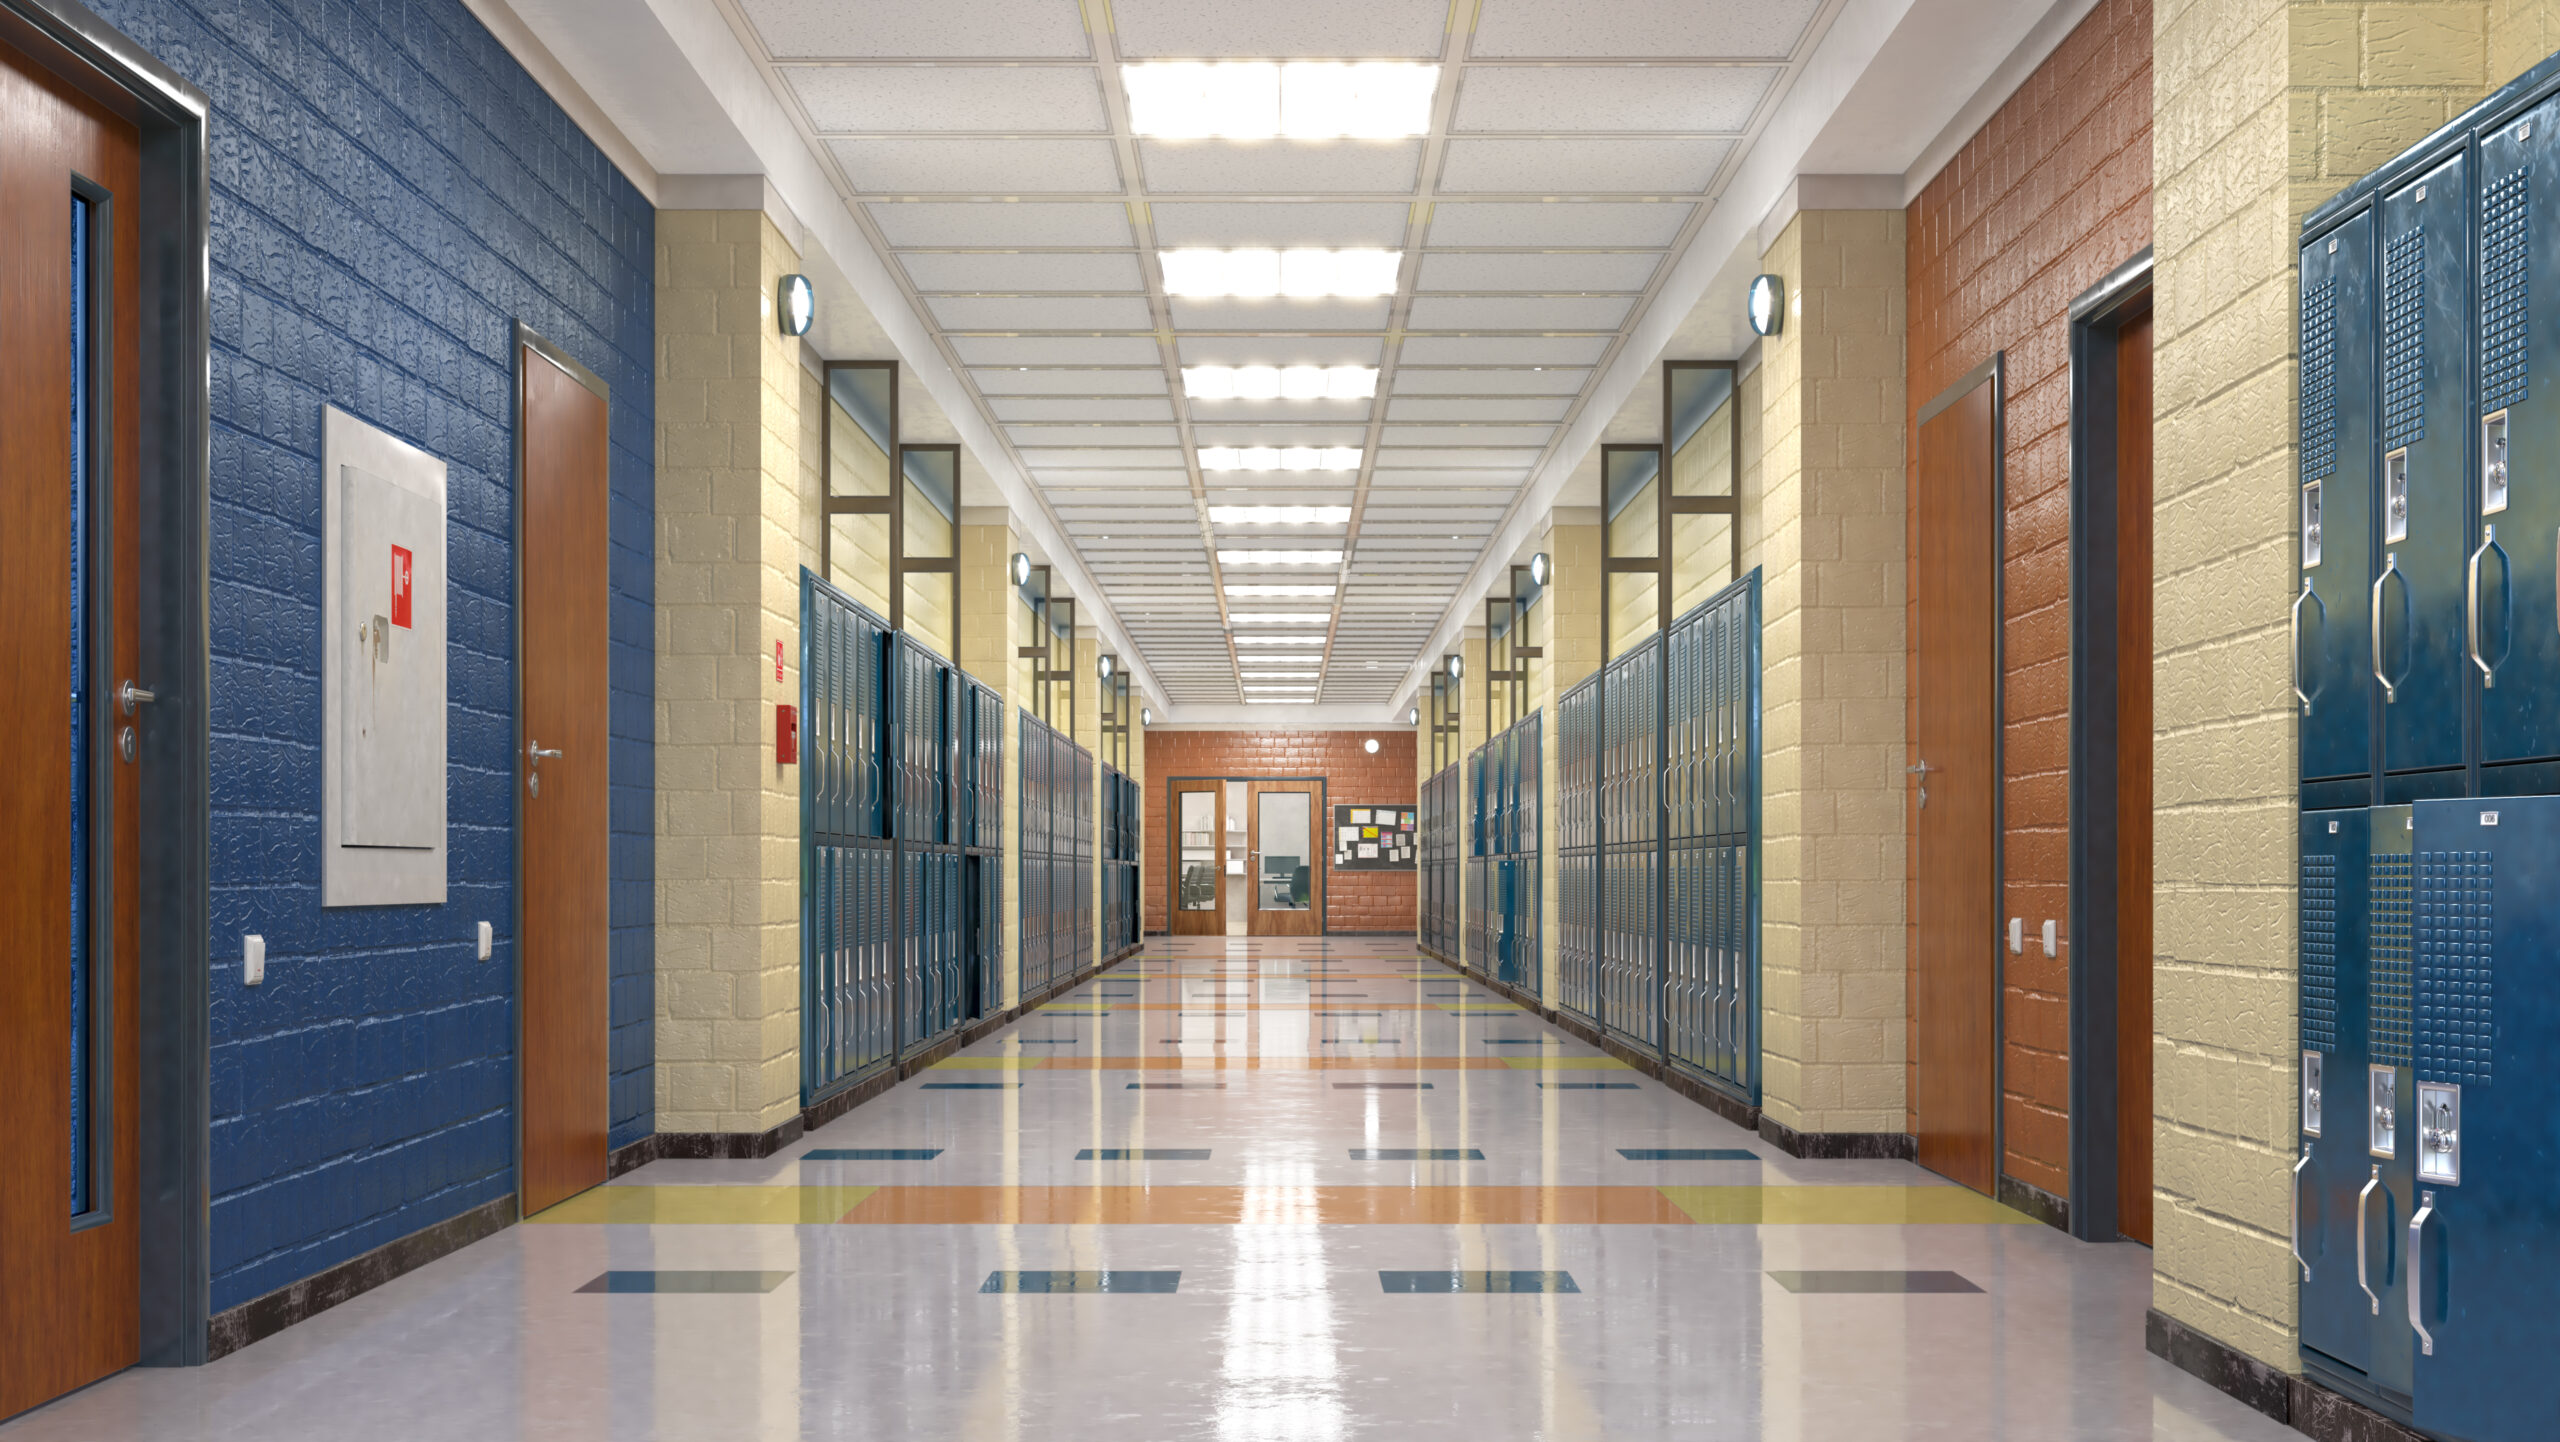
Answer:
x=2439 y=1133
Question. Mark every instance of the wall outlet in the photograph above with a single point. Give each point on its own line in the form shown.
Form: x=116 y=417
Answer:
x=484 y=941
x=253 y=960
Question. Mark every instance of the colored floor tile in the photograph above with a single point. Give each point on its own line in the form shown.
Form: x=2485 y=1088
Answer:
x=1476 y=1282
x=1044 y=1283
x=1872 y=1282
x=871 y=1154
x=672 y=1282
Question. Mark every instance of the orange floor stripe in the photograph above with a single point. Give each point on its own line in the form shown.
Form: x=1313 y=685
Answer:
x=1232 y=1206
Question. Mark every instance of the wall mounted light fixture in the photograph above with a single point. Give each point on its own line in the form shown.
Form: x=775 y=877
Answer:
x=795 y=304
x=1768 y=305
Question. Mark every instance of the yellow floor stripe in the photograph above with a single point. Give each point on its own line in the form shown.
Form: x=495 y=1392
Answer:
x=707 y=1206
x=1840 y=1206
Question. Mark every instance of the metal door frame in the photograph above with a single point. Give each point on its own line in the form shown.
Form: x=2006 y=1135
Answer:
x=1322 y=859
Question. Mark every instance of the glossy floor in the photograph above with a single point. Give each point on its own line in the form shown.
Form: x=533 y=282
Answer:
x=1285 y=1190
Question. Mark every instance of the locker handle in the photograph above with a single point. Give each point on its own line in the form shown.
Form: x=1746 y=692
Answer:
x=2299 y=1259
x=2471 y=603
x=2293 y=626
x=2417 y=1234
x=2390 y=568
x=2362 y=1198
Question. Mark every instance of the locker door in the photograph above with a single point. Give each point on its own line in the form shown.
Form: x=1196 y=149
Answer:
x=2516 y=544
x=2336 y=1317
x=2487 y=1245
x=2387 y=1108
x=2332 y=668
x=2426 y=483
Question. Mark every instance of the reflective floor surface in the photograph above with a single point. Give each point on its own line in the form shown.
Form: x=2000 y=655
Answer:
x=1294 y=1190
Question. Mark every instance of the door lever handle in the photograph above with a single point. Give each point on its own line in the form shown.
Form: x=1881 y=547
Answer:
x=130 y=697
x=2362 y=1198
x=536 y=750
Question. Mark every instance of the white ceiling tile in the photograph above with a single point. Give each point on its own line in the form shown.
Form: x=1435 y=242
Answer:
x=1099 y=435
x=1463 y=488
x=1468 y=312
x=1002 y=223
x=1086 y=460
x=1552 y=272
x=1041 y=312
x=1509 y=408
x=1496 y=350
x=1071 y=382
x=1633 y=224
x=1552 y=381
x=1055 y=350
x=1279 y=493
x=1280 y=314
x=1281 y=167
x=1012 y=272
x=1543 y=99
x=1131 y=408
x=901 y=98
x=978 y=165
x=1280 y=412
x=1465 y=435
x=1231 y=225
x=1642 y=29
x=956 y=29
x=1643 y=165
x=1431 y=457
x=1240 y=350
x=1255 y=30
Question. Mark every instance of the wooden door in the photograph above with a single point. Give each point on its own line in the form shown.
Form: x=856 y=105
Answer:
x=69 y=460
x=1199 y=859
x=565 y=875
x=2133 y=779
x=1283 y=870
x=1956 y=697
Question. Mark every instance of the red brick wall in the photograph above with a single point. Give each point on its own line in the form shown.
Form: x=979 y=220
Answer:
x=1353 y=900
x=2049 y=196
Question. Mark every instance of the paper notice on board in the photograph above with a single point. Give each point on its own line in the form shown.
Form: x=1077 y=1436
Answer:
x=1348 y=834
x=1368 y=851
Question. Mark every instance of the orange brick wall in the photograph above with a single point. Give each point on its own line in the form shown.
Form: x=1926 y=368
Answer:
x=1353 y=900
x=2049 y=196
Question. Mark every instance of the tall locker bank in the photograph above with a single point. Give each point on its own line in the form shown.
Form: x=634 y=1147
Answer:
x=2425 y=628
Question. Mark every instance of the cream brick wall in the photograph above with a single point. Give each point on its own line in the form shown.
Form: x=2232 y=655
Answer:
x=2522 y=33
x=993 y=623
x=1828 y=522
x=732 y=533
x=1566 y=625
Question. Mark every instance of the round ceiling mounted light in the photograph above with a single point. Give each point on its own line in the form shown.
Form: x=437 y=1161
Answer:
x=795 y=304
x=1370 y=745
x=1768 y=304
x=1021 y=568
x=1538 y=568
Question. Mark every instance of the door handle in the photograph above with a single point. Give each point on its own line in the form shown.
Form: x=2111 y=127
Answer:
x=2417 y=1234
x=2390 y=568
x=536 y=751
x=2293 y=628
x=534 y=755
x=1922 y=771
x=2362 y=1198
x=2471 y=604
x=130 y=697
x=2298 y=1258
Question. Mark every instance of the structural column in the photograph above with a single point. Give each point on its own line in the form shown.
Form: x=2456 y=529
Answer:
x=994 y=625
x=1831 y=503
x=1565 y=626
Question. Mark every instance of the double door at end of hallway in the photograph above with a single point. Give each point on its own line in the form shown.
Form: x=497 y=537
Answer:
x=1247 y=858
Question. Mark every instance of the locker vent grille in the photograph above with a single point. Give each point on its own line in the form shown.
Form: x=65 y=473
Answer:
x=2404 y=335
x=2389 y=1001
x=2320 y=381
x=2453 y=993
x=2505 y=268
x=2320 y=953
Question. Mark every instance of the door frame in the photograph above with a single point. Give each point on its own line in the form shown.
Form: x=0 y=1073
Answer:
x=1173 y=864
x=1992 y=370
x=1173 y=838
x=2096 y=316
x=1319 y=817
x=525 y=338
x=172 y=970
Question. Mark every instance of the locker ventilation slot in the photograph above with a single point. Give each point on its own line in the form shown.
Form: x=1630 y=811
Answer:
x=2404 y=335
x=2453 y=967
x=2320 y=953
x=2320 y=381
x=2389 y=998
x=2505 y=269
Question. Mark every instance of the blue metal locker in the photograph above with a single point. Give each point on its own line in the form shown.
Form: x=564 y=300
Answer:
x=2513 y=633
x=2333 y=676
x=2336 y=861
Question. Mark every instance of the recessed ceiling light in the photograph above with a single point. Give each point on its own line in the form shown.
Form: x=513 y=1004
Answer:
x=1267 y=556
x=1295 y=383
x=1279 y=618
x=1277 y=592
x=1278 y=458
x=1261 y=100
x=1277 y=675
x=1279 y=515
x=1279 y=700
x=1306 y=274
x=1279 y=640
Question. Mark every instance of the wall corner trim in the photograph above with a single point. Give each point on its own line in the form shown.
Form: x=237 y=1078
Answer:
x=518 y=40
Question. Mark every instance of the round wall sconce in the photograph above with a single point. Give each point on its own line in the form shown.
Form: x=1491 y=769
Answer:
x=795 y=304
x=1413 y=716
x=1021 y=568
x=1456 y=668
x=1538 y=568
x=1370 y=745
x=1104 y=665
x=1146 y=716
x=1768 y=304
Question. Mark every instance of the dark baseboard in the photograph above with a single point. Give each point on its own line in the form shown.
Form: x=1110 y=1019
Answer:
x=2300 y=1403
x=1714 y=1098
x=265 y=1316
x=729 y=1146
x=1838 y=1146
x=2035 y=1201
x=827 y=1108
x=631 y=1156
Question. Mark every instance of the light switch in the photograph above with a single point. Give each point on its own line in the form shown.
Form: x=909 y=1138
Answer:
x=2017 y=934
x=2049 y=944
x=484 y=941
x=253 y=960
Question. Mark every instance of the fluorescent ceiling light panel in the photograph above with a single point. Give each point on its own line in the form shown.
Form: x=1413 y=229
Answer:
x=1278 y=592
x=1296 y=383
x=1358 y=274
x=1296 y=700
x=1279 y=458
x=1280 y=515
x=1279 y=640
x=1279 y=618
x=1261 y=100
x=1269 y=556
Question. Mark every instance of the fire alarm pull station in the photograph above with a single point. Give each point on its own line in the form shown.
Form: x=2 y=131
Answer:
x=786 y=735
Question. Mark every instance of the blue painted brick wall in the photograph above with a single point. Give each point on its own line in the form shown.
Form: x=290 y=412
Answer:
x=390 y=192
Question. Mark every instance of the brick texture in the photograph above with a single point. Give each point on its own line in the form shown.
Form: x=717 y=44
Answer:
x=1353 y=900
x=390 y=192
x=2049 y=196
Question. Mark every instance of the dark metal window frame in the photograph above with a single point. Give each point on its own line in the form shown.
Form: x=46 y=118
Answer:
x=892 y=506
x=1053 y=653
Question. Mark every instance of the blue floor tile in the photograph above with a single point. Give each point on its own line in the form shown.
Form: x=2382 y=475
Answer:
x=1416 y=1154
x=1057 y=1282
x=1870 y=1282
x=1687 y=1154
x=1143 y=1154
x=1477 y=1282
x=671 y=1282
x=871 y=1154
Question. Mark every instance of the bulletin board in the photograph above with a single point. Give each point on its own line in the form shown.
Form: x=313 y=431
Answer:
x=1373 y=838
